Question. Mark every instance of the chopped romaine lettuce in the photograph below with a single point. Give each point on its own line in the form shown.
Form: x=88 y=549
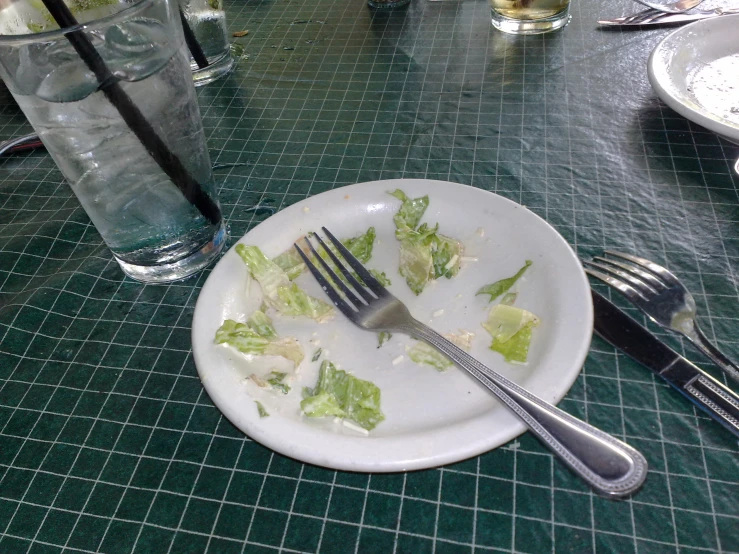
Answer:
x=260 y=323
x=340 y=394
x=499 y=287
x=416 y=257
x=361 y=246
x=383 y=337
x=260 y=409
x=511 y=329
x=380 y=276
x=424 y=353
x=291 y=263
x=447 y=256
x=424 y=253
x=411 y=211
x=277 y=380
x=316 y=355
x=248 y=341
x=279 y=293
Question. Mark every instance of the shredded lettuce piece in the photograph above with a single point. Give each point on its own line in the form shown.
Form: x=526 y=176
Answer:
x=416 y=256
x=511 y=329
x=340 y=394
x=260 y=323
x=248 y=341
x=447 y=256
x=383 y=337
x=291 y=263
x=499 y=287
x=279 y=293
x=316 y=355
x=411 y=211
x=424 y=253
x=260 y=409
x=424 y=353
x=277 y=380
x=360 y=246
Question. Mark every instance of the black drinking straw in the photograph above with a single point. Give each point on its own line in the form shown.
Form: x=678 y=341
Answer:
x=163 y=156
x=192 y=43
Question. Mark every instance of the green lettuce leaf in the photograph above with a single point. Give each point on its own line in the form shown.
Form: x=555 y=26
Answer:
x=424 y=353
x=416 y=256
x=511 y=329
x=260 y=409
x=248 y=341
x=291 y=263
x=261 y=324
x=361 y=246
x=411 y=211
x=447 y=256
x=279 y=293
x=340 y=394
x=277 y=380
x=499 y=287
x=383 y=337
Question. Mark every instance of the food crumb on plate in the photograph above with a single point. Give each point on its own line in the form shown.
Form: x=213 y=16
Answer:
x=438 y=313
x=397 y=360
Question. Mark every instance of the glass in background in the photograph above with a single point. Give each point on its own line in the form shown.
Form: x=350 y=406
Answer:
x=529 y=17
x=207 y=21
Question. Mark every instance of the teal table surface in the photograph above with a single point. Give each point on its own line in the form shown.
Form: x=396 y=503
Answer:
x=108 y=441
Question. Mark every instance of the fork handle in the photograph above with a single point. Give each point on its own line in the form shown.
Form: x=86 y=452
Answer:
x=700 y=340
x=608 y=465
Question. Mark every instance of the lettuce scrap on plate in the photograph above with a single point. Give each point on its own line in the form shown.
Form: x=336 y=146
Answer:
x=360 y=246
x=257 y=337
x=425 y=354
x=499 y=287
x=342 y=395
x=425 y=254
x=511 y=329
x=279 y=293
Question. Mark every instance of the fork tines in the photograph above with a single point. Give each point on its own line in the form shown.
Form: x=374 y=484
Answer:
x=637 y=278
x=348 y=300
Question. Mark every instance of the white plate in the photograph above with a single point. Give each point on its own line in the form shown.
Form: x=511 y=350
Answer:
x=695 y=71
x=431 y=418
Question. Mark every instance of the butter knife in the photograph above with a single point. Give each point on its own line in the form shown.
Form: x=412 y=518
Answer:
x=711 y=396
x=668 y=19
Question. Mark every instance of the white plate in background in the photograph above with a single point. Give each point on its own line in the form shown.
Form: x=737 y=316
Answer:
x=695 y=71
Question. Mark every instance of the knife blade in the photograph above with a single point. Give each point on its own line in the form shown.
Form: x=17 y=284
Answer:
x=669 y=19
x=711 y=396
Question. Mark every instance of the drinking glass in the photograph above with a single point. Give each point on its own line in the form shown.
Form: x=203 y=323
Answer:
x=529 y=17
x=207 y=20
x=120 y=118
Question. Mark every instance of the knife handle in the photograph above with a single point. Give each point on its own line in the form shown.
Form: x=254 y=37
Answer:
x=717 y=400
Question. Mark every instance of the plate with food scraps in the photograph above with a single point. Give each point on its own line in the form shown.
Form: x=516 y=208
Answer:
x=695 y=71
x=263 y=370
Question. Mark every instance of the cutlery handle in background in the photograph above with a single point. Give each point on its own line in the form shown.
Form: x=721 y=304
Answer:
x=704 y=345
x=717 y=400
x=608 y=465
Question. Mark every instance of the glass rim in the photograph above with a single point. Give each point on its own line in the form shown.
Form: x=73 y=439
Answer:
x=55 y=34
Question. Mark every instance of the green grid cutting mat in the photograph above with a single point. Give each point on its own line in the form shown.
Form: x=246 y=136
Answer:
x=108 y=442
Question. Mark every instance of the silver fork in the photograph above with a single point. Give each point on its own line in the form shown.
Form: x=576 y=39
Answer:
x=608 y=465
x=661 y=296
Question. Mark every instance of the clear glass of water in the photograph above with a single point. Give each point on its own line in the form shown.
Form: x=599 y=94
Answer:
x=207 y=20
x=151 y=218
x=529 y=17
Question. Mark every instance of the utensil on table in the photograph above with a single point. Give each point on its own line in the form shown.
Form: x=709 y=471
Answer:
x=673 y=7
x=18 y=144
x=608 y=465
x=661 y=296
x=651 y=17
x=617 y=328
